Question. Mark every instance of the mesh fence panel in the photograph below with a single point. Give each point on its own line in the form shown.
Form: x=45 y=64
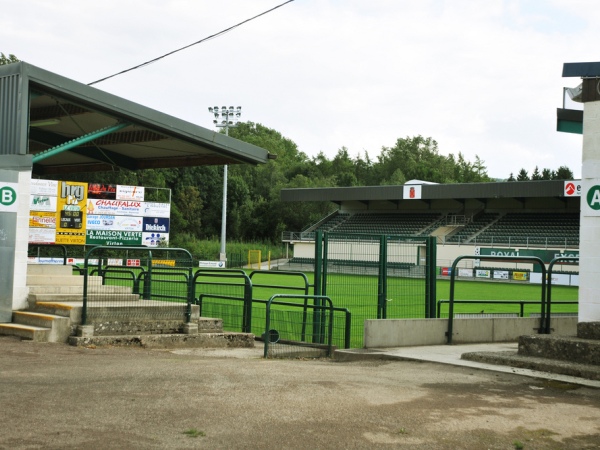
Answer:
x=375 y=277
x=131 y=285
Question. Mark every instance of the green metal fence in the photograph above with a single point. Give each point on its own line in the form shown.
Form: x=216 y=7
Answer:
x=297 y=327
x=126 y=283
x=398 y=276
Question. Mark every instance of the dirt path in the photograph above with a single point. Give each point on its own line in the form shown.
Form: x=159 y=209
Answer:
x=55 y=396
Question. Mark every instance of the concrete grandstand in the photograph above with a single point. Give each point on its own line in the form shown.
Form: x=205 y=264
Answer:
x=512 y=218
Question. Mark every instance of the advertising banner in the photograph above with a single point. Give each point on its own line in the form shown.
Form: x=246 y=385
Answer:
x=212 y=264
x=501 y=274
x=465 y=273
x=446 y=271
x=110 y=222
x=130 y=193
x=545 y=255
x=520 y=276
x=45 y=203
x=99 y=190
x=156 y=225
x=70 y=215
x=411 y=192
x=154 y=209
x=40 y=219
x=43 y=187
x=481 y=273
x=42 y=236
x=113 y=237
x=155 y=239
x=114 y=207
x=572 y=188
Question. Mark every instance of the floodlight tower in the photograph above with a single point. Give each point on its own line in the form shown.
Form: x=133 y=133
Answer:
x=225 y=118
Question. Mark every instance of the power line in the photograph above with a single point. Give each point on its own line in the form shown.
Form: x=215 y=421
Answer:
x=213 y=36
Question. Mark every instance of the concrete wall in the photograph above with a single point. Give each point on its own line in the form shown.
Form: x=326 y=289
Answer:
x=413 y=332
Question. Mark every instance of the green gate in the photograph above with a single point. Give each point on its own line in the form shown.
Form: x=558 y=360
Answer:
x=376 y=276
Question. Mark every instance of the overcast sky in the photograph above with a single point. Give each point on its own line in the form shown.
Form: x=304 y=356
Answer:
x=480 y=77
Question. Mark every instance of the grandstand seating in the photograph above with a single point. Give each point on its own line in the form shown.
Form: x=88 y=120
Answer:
x=513 y=228
x=380 y=223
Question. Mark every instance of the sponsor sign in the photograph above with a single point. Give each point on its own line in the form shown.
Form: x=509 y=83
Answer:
x=521 y=276
x=154 y=209
x=447 y=271
x=465 y=273
x=155 y=239
x=114 y=207
x=70 y=215
x=130 y=193
x=481 y=273
x=572 y=188
x=411 y=192
x=501 y=274
x=212 y=264
x=133 y=262
x=42 y=235
x=43 y=187
x=99 y=190
x=163 y=262
x=562 y=279
x=545 y=255
x=113 y=237
x=155 y=225
x=42 y=203
x=110 y=222
x=39 y=219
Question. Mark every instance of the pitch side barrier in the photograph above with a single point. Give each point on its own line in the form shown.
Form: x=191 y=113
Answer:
x=171 y=290
x=323 y=308
x=549 y=290
x=35 y=250
x=532 y=259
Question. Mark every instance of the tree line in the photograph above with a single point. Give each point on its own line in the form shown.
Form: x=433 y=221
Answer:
x=255 y=211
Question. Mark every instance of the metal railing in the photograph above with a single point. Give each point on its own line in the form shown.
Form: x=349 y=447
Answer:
x=549 y=288
x=114 y=299
x=532 y=259
x=322 y=336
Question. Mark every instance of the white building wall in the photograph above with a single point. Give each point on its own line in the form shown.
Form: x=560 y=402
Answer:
x=589 y=255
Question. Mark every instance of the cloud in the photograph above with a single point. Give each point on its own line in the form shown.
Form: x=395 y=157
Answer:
x=479 y=79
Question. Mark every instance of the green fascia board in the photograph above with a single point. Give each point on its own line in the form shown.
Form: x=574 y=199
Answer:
x=567 y=126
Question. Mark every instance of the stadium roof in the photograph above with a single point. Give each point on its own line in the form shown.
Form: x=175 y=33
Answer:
x=70 y=127
x=479 y=191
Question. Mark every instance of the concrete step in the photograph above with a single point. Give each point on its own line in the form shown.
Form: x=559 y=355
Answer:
x=92 y=289
x=54 y=280
x=49 y=270
x=514 y=359
x=200 y=340
x=588 y=330
x=62 y=280
x=29 y=332
x=114 y=297
x=59 y=326
x=63 y=309
x=562 y=348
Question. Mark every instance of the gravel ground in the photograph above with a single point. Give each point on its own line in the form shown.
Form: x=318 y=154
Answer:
x=54 y=396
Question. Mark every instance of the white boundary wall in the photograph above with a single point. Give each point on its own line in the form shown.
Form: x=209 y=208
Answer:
x=381 y=333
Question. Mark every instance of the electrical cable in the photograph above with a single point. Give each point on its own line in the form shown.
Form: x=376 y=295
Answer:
x=213 y=36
